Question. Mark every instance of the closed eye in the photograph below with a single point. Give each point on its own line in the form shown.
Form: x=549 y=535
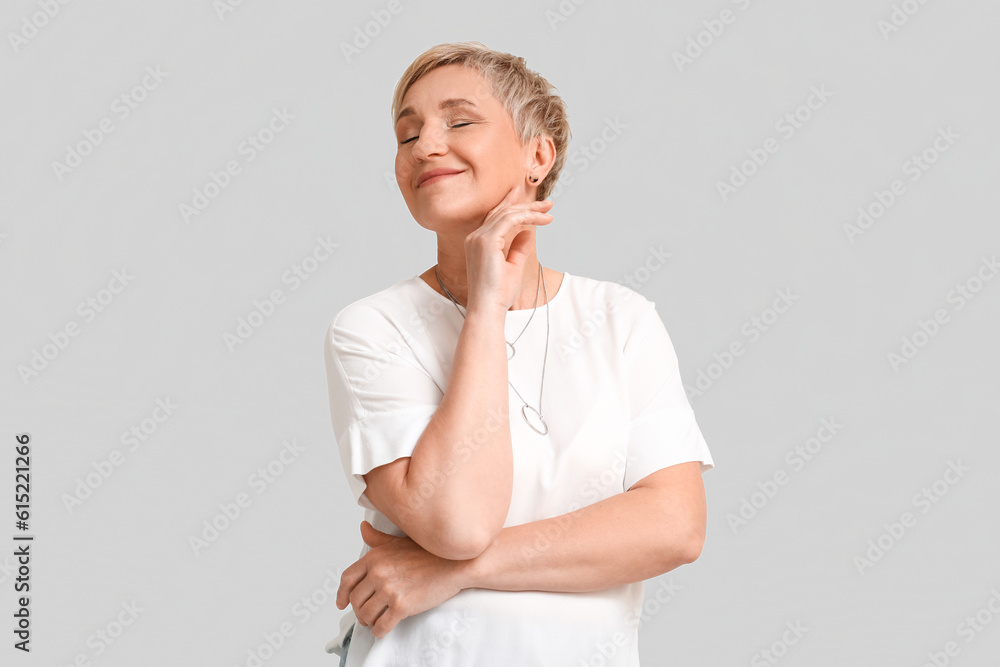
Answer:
x=415 y=138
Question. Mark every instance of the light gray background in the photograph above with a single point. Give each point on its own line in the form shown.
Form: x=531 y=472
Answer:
x=654 y=186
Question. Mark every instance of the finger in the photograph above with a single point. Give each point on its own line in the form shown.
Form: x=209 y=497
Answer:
x=373 y=610
x=367 y=526
x=366 y=533
x=505 y=201
x=505 y=225
x=507 y=205
x=509 y=201
x=374 y=537
x=518 y=253
x=360 y=597
x=386 y=622
x=541 y=205
x=348 y=580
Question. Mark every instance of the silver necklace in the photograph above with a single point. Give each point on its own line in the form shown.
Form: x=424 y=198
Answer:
x=525 y=407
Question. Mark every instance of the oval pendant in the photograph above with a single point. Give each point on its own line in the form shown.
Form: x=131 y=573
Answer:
x=541 y=419
x=510 y=351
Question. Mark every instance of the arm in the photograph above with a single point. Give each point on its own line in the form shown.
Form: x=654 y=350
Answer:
x=654 y=527
x=451 y=496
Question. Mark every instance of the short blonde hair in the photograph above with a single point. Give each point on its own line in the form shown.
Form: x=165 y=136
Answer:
x=533 y=106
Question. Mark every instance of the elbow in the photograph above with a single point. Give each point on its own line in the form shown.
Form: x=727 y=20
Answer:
x=463 y=536
x=467 y=531
x=466 y=550
x=454 y=529
x=450 y=535
x=461 y=542
x=694 y=544
x=445 y=538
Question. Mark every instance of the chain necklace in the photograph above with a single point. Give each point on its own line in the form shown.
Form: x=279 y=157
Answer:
x=525 y=407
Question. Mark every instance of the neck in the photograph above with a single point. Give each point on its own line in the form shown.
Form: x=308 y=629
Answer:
x=451 y=268
x=532 y=290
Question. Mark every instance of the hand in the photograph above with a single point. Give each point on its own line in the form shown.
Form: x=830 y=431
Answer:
x=493 y=277
x=396 y=579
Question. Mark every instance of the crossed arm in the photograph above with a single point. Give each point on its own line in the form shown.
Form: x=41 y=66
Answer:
x=654 y=527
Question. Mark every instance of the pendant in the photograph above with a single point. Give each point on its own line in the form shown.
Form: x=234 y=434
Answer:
x=540 y=419
x=510 y=352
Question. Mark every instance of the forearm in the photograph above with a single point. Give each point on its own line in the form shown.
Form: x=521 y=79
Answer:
x=460 y=473
x=602 y=545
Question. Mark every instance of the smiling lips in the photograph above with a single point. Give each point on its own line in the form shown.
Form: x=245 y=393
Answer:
x=436 y=175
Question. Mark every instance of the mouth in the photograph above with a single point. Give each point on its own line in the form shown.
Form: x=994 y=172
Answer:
x=436 y=177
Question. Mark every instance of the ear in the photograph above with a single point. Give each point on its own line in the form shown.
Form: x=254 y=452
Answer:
x=541 y=157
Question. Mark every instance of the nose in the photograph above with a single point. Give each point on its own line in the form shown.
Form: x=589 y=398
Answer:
x=429 y=142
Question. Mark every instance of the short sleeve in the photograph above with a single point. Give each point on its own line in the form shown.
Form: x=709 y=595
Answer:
x=381 y=399
x=663 y=429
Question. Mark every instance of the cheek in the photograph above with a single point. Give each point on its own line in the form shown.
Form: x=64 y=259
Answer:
x=496 y=158
x=403 y=172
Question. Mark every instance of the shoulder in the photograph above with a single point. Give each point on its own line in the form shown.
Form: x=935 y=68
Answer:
x=622 y=306
x=613 y=296
x=375 y=314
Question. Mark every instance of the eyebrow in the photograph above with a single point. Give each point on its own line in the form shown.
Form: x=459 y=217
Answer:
x=446 y=104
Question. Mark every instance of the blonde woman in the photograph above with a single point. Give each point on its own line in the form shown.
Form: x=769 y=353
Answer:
x=518 y=437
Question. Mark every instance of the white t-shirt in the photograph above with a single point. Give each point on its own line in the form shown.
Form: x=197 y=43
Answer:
x=616 y=411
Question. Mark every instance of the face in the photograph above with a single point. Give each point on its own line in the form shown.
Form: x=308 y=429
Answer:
x=474 y=138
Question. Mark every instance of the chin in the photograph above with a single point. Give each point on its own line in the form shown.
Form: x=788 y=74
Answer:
x=443 y=215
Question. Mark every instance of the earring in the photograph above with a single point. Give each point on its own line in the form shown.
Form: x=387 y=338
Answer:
x=534 y=179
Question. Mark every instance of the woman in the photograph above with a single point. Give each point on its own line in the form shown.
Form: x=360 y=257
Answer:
x=519 y=437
